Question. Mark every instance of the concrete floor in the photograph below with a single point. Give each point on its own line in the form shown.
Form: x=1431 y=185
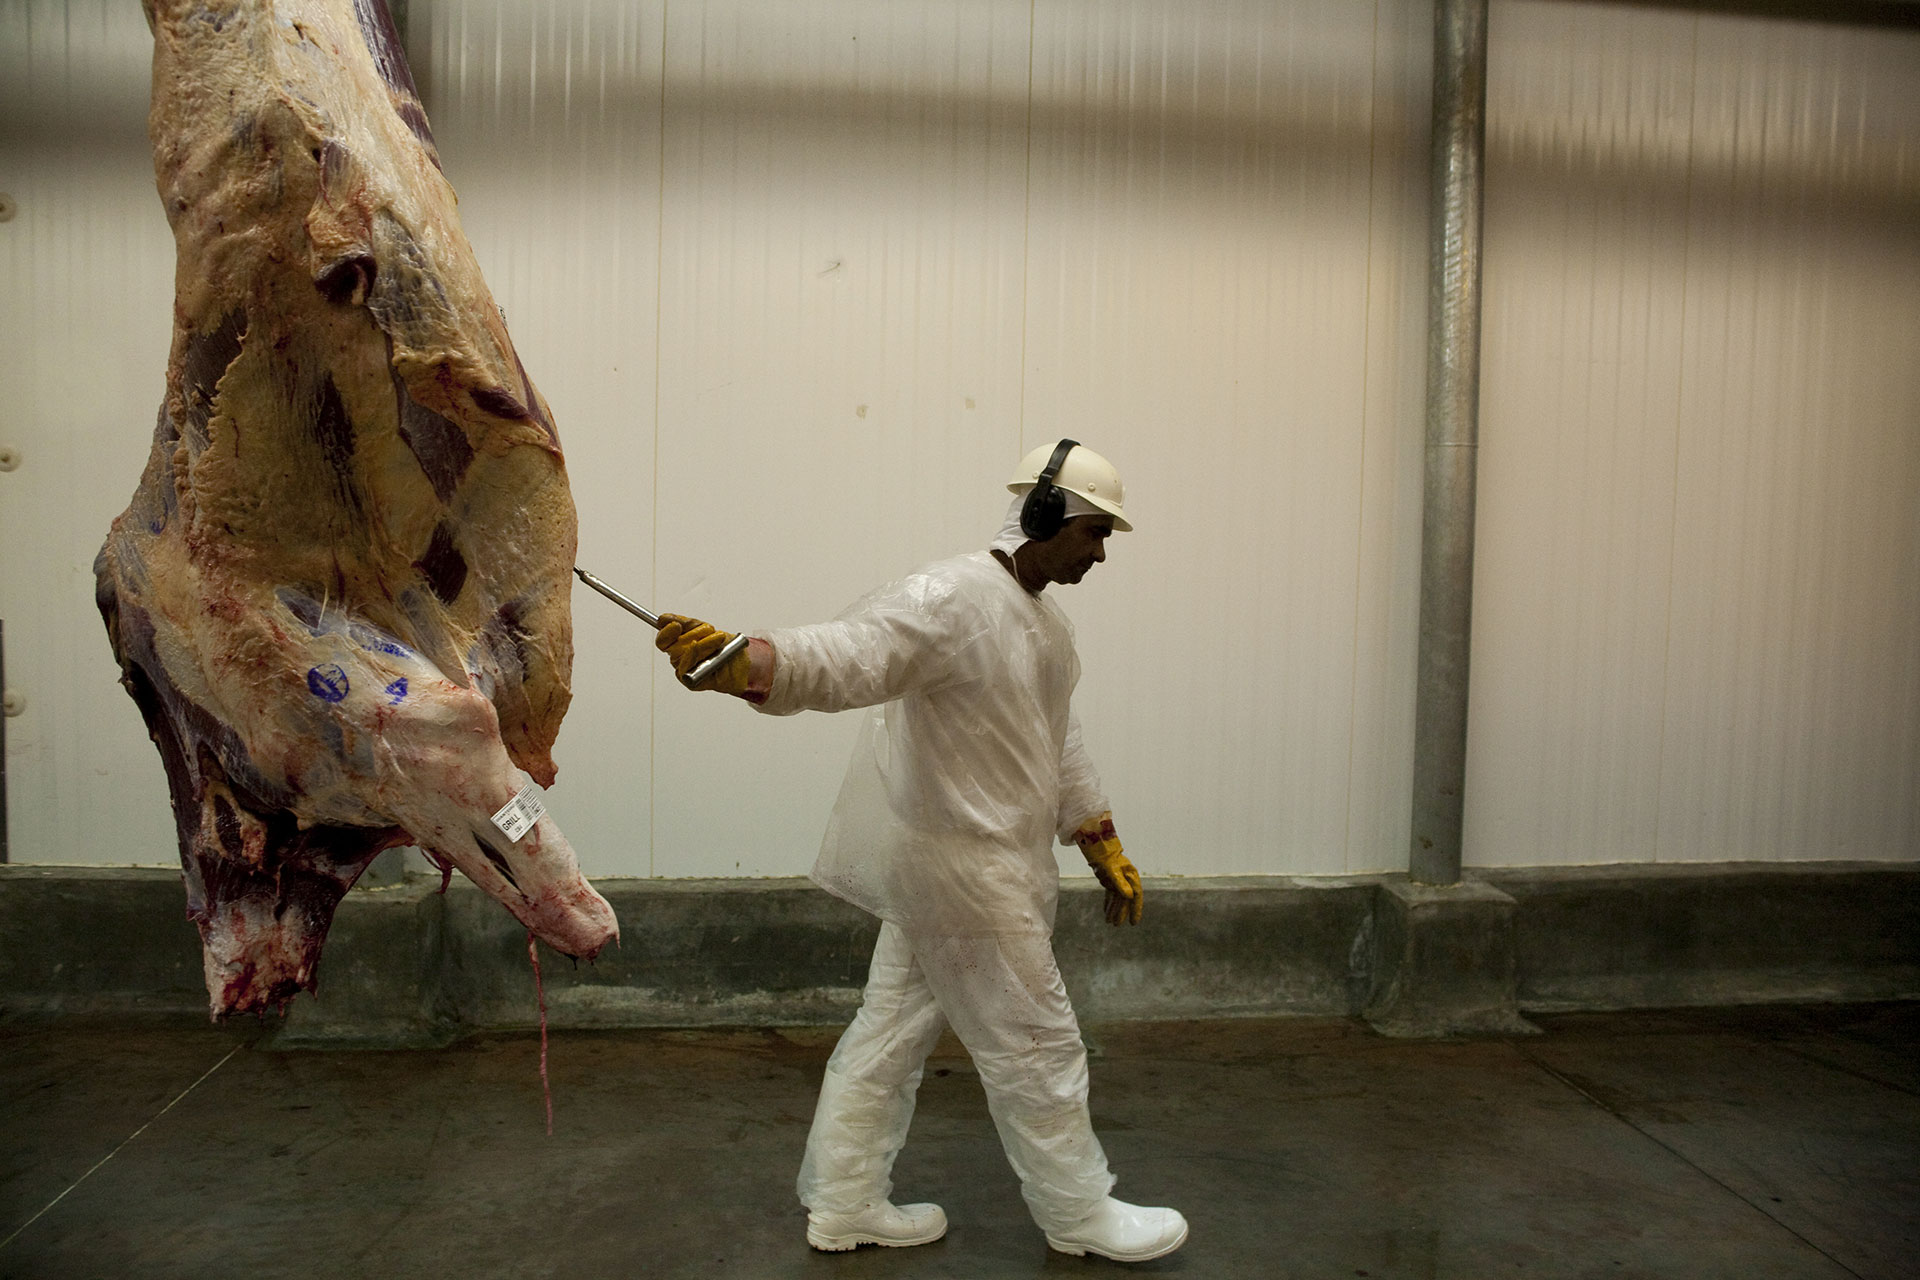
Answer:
x=1746 y=1144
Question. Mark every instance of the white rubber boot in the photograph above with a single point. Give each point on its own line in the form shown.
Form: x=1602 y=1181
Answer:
x=881 y=1223
x=1124 y=1232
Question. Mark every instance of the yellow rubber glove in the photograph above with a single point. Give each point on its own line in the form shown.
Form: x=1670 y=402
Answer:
x=688 y=642
x=1100 y=846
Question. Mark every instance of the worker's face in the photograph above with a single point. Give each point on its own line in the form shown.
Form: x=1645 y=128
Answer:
x=1081 y=544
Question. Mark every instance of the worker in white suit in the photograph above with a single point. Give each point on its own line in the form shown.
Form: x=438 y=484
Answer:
x=968 y=765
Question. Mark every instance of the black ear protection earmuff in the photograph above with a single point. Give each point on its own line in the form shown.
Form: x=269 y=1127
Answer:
x=1045 y=509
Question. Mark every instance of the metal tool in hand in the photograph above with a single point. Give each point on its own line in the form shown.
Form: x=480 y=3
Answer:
x=693 y=678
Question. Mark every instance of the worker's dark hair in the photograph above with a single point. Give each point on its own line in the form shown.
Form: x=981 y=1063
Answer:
x=1045 y=509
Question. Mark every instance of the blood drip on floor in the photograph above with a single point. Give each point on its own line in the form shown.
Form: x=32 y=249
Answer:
x=546 y=1086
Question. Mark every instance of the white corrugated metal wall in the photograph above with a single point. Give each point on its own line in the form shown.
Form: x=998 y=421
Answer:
x=1697 y=610
x=86 y=306
x=897 y=245
x=802 y=280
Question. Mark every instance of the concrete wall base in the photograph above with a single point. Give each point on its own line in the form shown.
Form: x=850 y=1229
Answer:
x=384 y=976
x=407 y=965
x=1443 y=962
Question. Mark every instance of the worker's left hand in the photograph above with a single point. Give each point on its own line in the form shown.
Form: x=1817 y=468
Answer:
x=1100 y=846
x=688 y=642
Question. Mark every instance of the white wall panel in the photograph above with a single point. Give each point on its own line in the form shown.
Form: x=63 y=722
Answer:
x=840 y=339
x=86 y=283
x=1387 y=601
x=547 y=119
x=1589 y=120
x=1793 y=722
x=802 y=280
x=1697 y=596
x=1199 y=265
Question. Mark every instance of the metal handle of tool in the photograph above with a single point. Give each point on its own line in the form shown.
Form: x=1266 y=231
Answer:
x=693 y=677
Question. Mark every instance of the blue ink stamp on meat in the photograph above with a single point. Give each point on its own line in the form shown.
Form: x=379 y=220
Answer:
x=374 y=640
x=328 y=682
x=397 y=692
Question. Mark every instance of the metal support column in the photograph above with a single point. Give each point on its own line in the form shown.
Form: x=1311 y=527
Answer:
x=1453 y=424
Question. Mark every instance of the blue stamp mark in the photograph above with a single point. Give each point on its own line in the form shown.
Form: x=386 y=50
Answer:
x=397 y=692
x=374 y=640
x=328 y=682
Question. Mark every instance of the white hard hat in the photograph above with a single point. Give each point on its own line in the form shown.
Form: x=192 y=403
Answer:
x=1081 y=471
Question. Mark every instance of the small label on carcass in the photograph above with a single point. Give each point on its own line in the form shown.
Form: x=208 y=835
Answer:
x=517 y=816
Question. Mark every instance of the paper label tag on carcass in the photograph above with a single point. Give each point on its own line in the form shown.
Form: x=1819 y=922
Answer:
x=517 y=816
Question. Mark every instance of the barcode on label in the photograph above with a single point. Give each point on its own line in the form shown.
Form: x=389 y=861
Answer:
x=517 y=816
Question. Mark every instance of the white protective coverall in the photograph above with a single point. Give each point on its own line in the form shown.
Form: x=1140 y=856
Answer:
x=969 y=764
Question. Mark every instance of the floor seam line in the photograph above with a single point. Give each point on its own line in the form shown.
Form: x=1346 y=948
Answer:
x=1685 y=1159
x=1844 y=1070
x=117 y=1150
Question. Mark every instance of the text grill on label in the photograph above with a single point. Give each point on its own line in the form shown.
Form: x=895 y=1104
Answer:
x=517 y=816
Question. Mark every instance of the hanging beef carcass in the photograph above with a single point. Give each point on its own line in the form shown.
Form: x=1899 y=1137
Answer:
x=340 y=595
